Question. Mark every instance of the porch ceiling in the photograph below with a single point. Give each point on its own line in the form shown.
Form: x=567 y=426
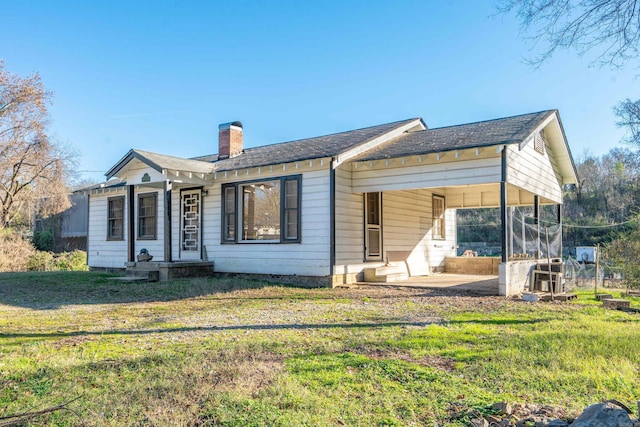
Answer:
x=486 y=196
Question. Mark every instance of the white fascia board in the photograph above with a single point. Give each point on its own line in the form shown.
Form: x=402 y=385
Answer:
x=349 y=154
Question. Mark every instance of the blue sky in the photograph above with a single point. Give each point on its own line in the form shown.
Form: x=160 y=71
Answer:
x=161 y=75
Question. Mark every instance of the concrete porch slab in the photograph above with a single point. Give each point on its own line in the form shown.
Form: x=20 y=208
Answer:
x=463 y=283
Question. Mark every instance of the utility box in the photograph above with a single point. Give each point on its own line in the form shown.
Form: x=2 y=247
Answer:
x=586 y=254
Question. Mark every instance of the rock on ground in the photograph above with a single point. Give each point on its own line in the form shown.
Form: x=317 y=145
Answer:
x=603 y=414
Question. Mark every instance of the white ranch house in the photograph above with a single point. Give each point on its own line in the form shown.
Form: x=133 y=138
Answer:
x=329 y=207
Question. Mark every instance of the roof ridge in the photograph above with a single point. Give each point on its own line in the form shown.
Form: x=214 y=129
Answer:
x=168 y=155
x=314 y=137
x=491 y=120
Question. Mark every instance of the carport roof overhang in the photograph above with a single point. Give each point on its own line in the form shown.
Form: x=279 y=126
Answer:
x=482 y=137
x=468 y=178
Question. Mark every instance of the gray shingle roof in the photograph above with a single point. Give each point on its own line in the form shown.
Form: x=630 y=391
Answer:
x=508 y=130
x=160 y=162
x=303 y=149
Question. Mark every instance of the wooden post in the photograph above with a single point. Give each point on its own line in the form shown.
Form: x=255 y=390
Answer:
x=524 y=237
x=546 y=235
x=503 y=207
x=511 y=211
x=597 y=260
x=536 y=216
x=559 y=213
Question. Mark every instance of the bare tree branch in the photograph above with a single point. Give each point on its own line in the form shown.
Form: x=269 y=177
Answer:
x=609 y=29
x=31 y=166
x=18 y=419
x=628 y=113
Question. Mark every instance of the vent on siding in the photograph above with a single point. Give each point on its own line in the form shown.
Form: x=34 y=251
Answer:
x=538 y=143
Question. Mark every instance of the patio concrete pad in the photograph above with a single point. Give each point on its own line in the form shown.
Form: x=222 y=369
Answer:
x=463 y=283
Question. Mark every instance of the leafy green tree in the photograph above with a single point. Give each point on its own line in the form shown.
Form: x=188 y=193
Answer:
x=624 y=253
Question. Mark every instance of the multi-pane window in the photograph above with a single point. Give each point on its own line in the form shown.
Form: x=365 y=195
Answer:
x=438 y=217
x=115 y=218
x=291 y=209
x=262 y=211
x=229 y=213
x=147 y=216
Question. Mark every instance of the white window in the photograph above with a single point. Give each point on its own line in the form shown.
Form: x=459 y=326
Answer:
x=438 y=217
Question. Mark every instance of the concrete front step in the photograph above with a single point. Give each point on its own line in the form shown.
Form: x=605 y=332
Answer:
x=160 y=271
x=386 y=274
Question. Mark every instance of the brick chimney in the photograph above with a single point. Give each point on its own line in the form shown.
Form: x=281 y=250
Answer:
x=229 y=140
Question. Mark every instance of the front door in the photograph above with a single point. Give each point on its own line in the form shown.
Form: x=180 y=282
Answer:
x=190 y=225
x=373 y=227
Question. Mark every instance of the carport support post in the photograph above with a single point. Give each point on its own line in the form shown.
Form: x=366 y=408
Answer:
x=559 y=213
x=536 y=218
x=503 y=270
x=503 y=207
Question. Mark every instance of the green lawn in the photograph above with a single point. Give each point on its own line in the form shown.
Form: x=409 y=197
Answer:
x=234 y=352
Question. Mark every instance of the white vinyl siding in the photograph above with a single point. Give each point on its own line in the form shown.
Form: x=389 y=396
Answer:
x=406 y=219
x=408 y=222
x=102 y=252
x=113 y=253
x=310 y=257
x=349 y=224
x=444 y=173
x=533 y=171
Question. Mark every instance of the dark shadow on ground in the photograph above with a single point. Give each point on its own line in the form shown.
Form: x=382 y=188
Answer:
x=286 y=326
x=51 y=290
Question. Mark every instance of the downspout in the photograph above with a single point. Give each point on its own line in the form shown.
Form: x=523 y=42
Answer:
x=503 y=206
x=332 y=217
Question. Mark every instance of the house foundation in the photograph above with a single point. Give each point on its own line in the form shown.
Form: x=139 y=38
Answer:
x=163 y=271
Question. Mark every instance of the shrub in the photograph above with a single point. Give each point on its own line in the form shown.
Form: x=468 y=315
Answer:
x=15 y=251
x=40 y=261
x=624 y=253
x=65 y=261
x=43 y=240
x=72 y=261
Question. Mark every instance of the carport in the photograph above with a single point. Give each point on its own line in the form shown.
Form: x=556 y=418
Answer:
x=518 y=161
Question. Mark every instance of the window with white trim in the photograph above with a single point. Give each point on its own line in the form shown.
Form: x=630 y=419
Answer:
x=147 y=216
x=437 y=208
x=373 y=226
x=115 y=218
